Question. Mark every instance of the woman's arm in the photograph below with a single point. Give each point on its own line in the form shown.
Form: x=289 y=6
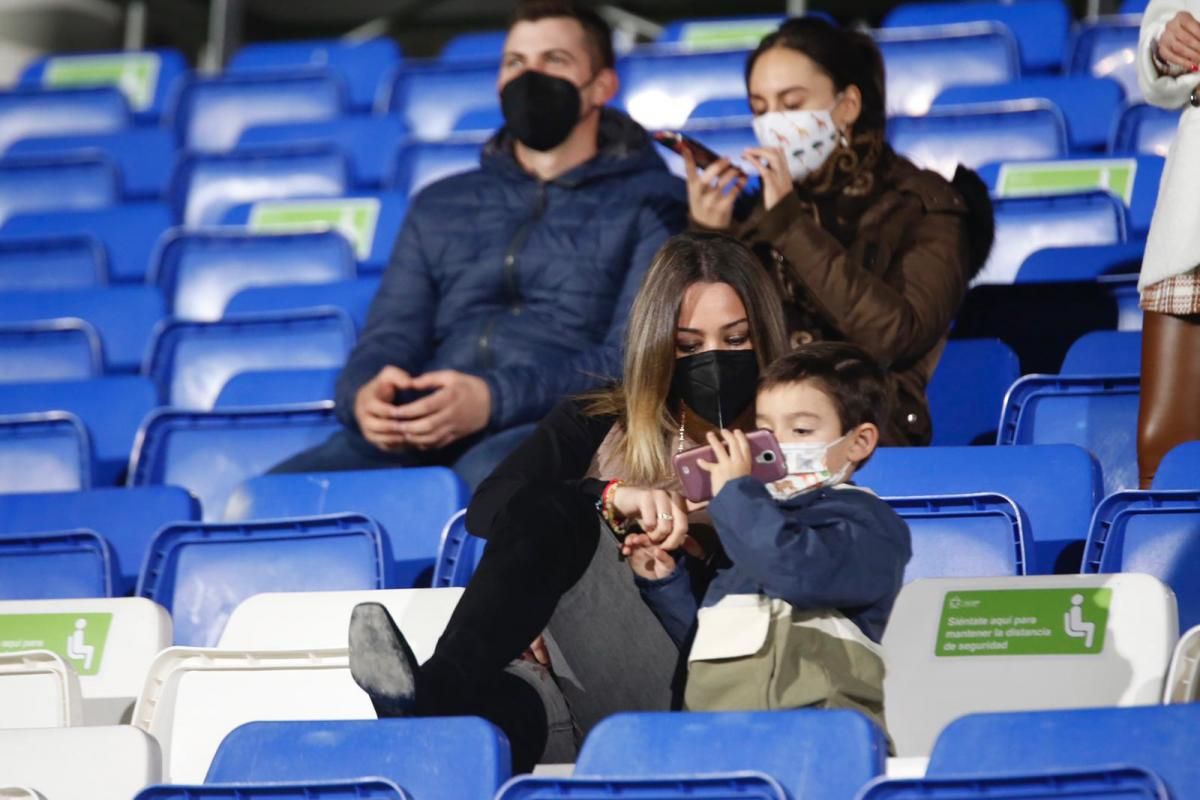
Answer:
x=1172 y=88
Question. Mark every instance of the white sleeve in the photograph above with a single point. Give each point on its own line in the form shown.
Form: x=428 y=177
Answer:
x=1167 y=91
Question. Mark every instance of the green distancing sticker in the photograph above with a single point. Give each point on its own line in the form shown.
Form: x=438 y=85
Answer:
x=135 y=74
x=354 y=218
x=1024 y=622
x=78 y=638
x=1115 y=176
x=724 y=36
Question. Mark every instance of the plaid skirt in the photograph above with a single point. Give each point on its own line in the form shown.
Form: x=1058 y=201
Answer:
x=1178 y=295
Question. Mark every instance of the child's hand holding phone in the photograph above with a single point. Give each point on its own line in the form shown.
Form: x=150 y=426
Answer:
x=734 y=460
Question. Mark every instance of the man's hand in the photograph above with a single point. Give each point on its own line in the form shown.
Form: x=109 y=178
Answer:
x=460 y=405
x=374 y=409
x=1179 y=44
x=733 y=459
x=647 y=559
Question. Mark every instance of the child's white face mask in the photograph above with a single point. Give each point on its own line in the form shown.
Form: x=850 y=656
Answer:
x=808 y=469
x=807 y=138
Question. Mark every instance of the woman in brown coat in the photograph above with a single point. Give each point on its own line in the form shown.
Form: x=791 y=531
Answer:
x=865 y=246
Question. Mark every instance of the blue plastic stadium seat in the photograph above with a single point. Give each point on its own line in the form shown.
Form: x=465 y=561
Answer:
x=1056 y=487
x=47 y=452
x=734 y=786
x=1143 y=129
x=209 y=453
x=123 y=316
x=371 y=221
x=1180 y=468
x=276 y=387
x=53 y=350
x=458 y=554
x=369 y=143
x=200 y=571
x=1155 y=532
x=421 y=163
x=720 y=108
x=660 y=89
x=111 y=408
x=412 y=505
x=1107 y=48
x=129 y=233
x=967 y=390
x=360 y=65
x=1088 y=104
x=479 y=121
x=191 y=361
x=478 y=46
x=1093 y=784
x=1096 y=413
x=1025 y=225
x=205 y=187
x=920 y=62
x=66 y=262
x=431 y=97
x=1106 y=353
x=49 y=112
x=811 y=753
x=1133 y=6
x=1150 y=737
x=1040 y=26
x=127 y=518
x=432 y=758
x=55 y=566
x=200 y=271
x=976 y=134
x=211 y=113
x=57 y=183
x=722 y=33
x=726 y=138
x=147 y=78
x=358 y=789
x=353 y=297
x=963 y=536
x=145 y=157
x=1081 y=262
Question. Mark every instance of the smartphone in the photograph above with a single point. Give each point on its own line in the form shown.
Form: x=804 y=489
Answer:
x=674 y=140
x=768 y=465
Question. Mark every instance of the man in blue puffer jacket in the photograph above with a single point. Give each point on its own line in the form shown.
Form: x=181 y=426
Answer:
x=509 y=286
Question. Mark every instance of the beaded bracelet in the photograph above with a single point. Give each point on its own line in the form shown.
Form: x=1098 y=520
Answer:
x=608 y=508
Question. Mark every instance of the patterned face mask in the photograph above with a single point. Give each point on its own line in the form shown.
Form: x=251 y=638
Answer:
x=808 y=469
x=807 y=138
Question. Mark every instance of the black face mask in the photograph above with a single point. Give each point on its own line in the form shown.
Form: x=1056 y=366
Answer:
x=539 y=109
x=718 y=385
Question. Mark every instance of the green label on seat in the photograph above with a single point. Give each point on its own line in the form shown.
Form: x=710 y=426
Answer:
x=696 y=36
x=1063 y=177
x=354 y=218
x=78 y=638
x=1024 y=622
x=135 y=74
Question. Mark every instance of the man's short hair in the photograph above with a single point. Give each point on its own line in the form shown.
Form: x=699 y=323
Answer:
x=854 y=382
x=596 y=32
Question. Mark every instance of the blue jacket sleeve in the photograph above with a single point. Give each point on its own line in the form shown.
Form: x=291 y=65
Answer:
x=672 y=601
x=838 y=555
x=524 y=393
x=399 y=329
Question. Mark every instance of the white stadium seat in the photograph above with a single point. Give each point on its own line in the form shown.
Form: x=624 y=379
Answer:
x=38 y=690
x=101 y=763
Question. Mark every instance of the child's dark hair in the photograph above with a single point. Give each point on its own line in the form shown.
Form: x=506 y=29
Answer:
x=854 y=381
x=596 y=31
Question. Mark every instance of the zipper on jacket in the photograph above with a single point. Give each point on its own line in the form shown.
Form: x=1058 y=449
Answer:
x=512 y=289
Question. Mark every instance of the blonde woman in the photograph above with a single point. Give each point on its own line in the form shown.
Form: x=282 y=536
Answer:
x=1169 y=74
x=706 y=320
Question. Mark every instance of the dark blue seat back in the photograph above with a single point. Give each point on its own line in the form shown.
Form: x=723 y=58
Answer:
x=53 y=350
x=55 y=566
x=200 y=571
x=46 y=452
x=1180 y=468
x=210 y=113
x=57 y=183
x=458 y=554
x=478 y=46
x=369 y=143
x=123 y=316
x=147 y=77
x=431 y=97
x=425 y=756
x=1093 y=784
x=963 y=536
x=353 y=297
x=826 y=753
x=111 y=408
x=127 y=518
x=1096 y=413
x=360 y=789
x=209 y=453
x=1107 y=48
x=360 y=65
x=1106 y=353
x=67 y=262
x=481 y=122
x=1150 y=737
x=1143 y=129
x=205 y=187
x=30 y=112
x=412 y=505
x=421 y=163
x=129 y=233
x=660 y=89
x=191 y=361
x=144 y=156
x=1085 y=262
x=277 y=387
x=747 y=785
x=966 y=392
x=200 y=271
x=1056 y=487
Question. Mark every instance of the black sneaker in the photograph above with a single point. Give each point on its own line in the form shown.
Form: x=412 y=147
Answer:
x=381 y=662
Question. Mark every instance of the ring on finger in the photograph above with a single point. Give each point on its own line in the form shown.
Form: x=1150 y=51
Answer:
x=665 y=516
